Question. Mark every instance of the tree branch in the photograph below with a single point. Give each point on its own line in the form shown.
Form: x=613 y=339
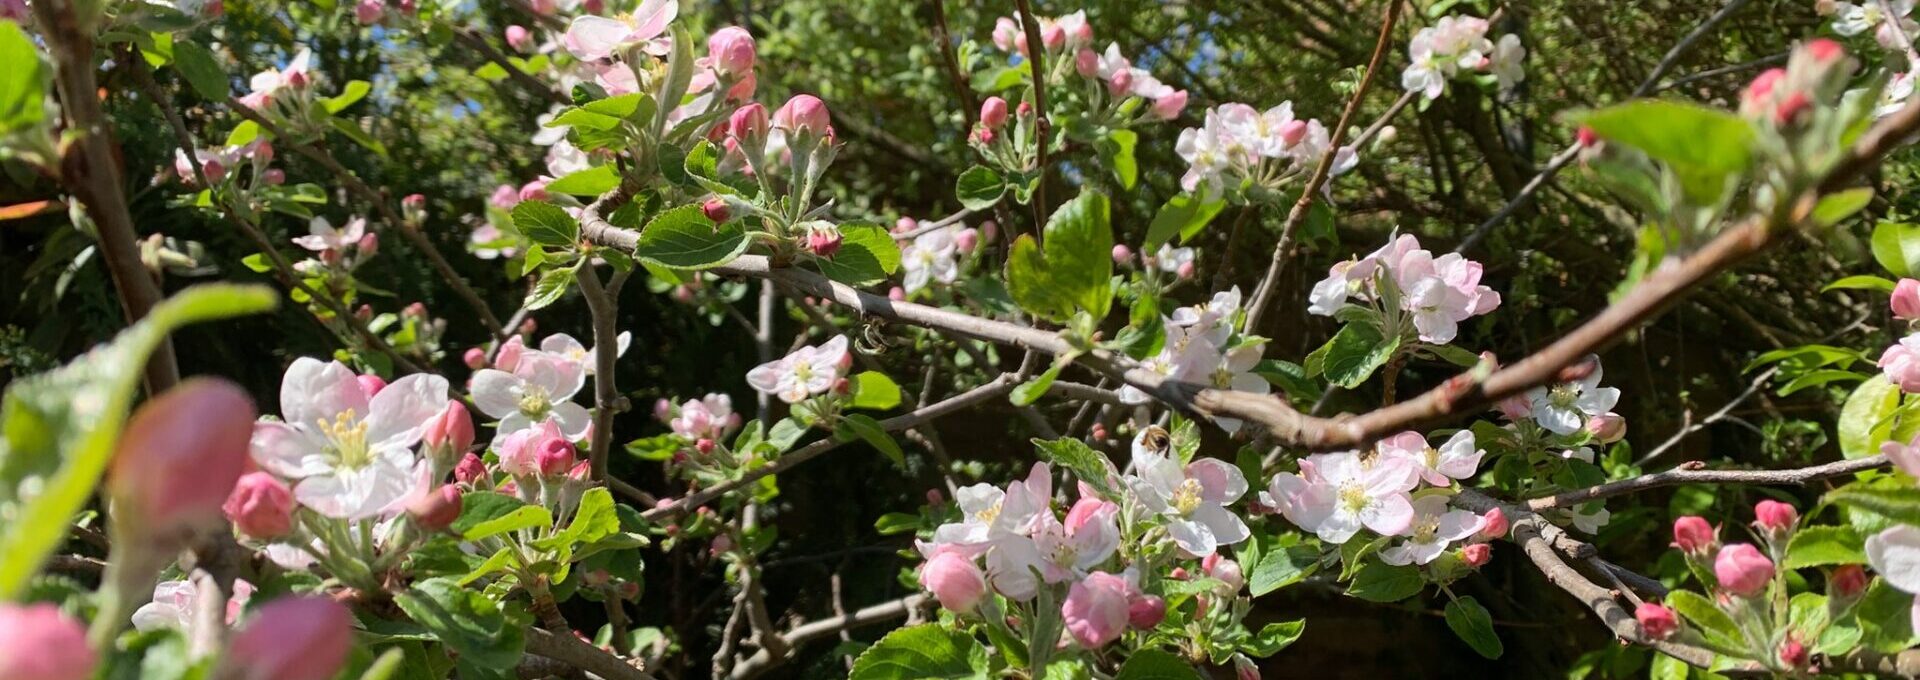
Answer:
x=763 y=661
x=1263 y=294
x=573 y=651
x=1042 y=123
x=525 y=80
x=1691 y=472
x=606 y=345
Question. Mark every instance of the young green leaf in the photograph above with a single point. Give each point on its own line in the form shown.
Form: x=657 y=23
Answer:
x=683 y=238
x=1473 y=624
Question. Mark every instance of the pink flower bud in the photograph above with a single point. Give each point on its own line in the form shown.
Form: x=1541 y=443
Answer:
x=1185 y=271
x=842 y=386
x=1230 y=575
x=905 y=224
x=414 y=202
x=1790 y=108
x=716 y=210
x=1742 y=570
x=1178 y=574
x=43 y=644
x=1774 y=516
x=1824 y=50
x=1122 y=255
x=475 y=358
x=1244 y=668
x=804 y=113
x=594 y=6
x=1024 y=110
x=544 y=7
x=1168 y=107
x=261 y=506
x=368 y=246
x=368 y=12
x=1761 y=89
x=1848 y=581
x=1793 y=653
x=519 y=38
x=470 y=469
x=554 y=455
x=1086 y=63
x=823 y=240
x=1053 y=36
x=1120 y=82
x=1607 y=427
x=988 y=230
x=731 y=51
x=370 y=384
x=1146 y=611
x=452 y=430
x=1096 y=609
x=897 y=294
x=935 y=498
x=1098 y=432
x=682 y=294
x=1586 y=137
x=291 y=638
x=966 y=240
x=1515 y=408
x=581 y=472
x=274 y=177
x=1692 y=535
x=529 y=327
x=214 y=169
x=1906 y=299
x=534 y=191
x=704 y=446
x=748 y=122
x=202 y=425
x=436 y=509
x=720 y=545
x=993 y=113
x=955 y=581
x=364 y=312
x=508 y=358
x=1658 y=621
x=1476 y=555
x=504 y=197
x=1291 y=132
x=417 y=310
x=1493 y=525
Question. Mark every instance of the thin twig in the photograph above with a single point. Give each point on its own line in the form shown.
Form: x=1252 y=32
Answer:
x=1716 y=416
x=1042 y=123
x=1692 y=473
x=763 y=661
x=1769 y=60
x=969 y=107
x=525 y=80
x=1269 y=284
x=562 y=646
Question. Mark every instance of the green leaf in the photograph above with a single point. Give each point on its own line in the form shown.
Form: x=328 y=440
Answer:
x=1030 y=391
x=1076 y=268
x=1029 y=284
x=546 y=224
x=353 y=92
x=1471 y=622
x=1273 y=637
x=1702 y=613
x=61 y=426
x=25 y=86
x=1900 y=505
x=920 y=652
x=1116 y=150
x=589 y=182
x=979 y=187
x=1866 y=419
x=1280 y=568
x=582 y=118
x=867 y=255
x=480 y=506
x=1681 y=134
x=1819 y=546
x=874 y=390
x=1086 y=463
x=523 y=517
x=1183 y=215
x=201 y=69
x=1153 y=664
x=1896 y=246
x=1861 y=282
x=618 y=106
x=1352 y=355
x=859 y=426
x=1382 y=582
x=553 y=284
x=1840 y=205
x=467 y=622
x=594 y=520
x=257 y=262
x=1886 y=618
x=352 y=131
x=1668 y=668
x=244 y=133
x=683 y=238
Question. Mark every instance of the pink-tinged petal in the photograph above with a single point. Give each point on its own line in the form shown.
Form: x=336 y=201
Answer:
x=592 y=38
x=651 y=19
x=1388 y=516
x=401 y=411
x=1390 y=476
x=561 y=344
x=287 y=451
x=313 y=243
x=355 y=229
x=497 y=393
x=573 y=419
x=1458 y=524
x=1227 y=527
x=1193 y=537
x=1398 y=555
x=1220 y=481
x=1904 y=456
x=1337 y=527
x=766 y=377
x=560 y=376
x=313 y=391
x=1895 y=554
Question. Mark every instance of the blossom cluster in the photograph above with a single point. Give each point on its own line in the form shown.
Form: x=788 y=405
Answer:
x=1203 y=345
x=1406 y=285
x=1888 y=20
x=1336 y=495
x=1120 y=79
x=1456 y=45
x=934 y=253
x=1239 y=146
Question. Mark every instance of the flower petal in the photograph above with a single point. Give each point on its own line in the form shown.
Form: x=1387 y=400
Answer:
x=314 y=390
x=497 y=393
x=287 y=450
x=400 y=411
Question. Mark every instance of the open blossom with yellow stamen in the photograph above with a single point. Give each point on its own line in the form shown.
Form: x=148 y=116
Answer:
x=349 y=455
x=1192 y=498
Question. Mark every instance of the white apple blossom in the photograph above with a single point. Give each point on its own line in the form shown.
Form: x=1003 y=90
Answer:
x=266 y=84
x=350 y=456
x=1183 y=357
x=1191 y=498
x=563 y=158
x=710 y=417
x=1506 y=62
x=1851 y=19
x=539 y=388
x=989 y=513
x=1070 y=553
x=1563 y=408
x=806 y=372
x=1583 y=454
x=1457 y=459
x=930 y=257
x=322 y=237
x=592 y=38
x=566 y=346
x=1899 y=89
x=1207 y=160
x=1170 y=259
x=1895 y=553
x=1214 y=319
x=1233 y=370
x=175 y=604
x=1589 y=522
x=1436 y=293
x=1337 y=494
x=1434 y=527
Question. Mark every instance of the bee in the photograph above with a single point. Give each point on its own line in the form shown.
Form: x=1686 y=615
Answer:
x=1156 y=439
x=873 y=339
